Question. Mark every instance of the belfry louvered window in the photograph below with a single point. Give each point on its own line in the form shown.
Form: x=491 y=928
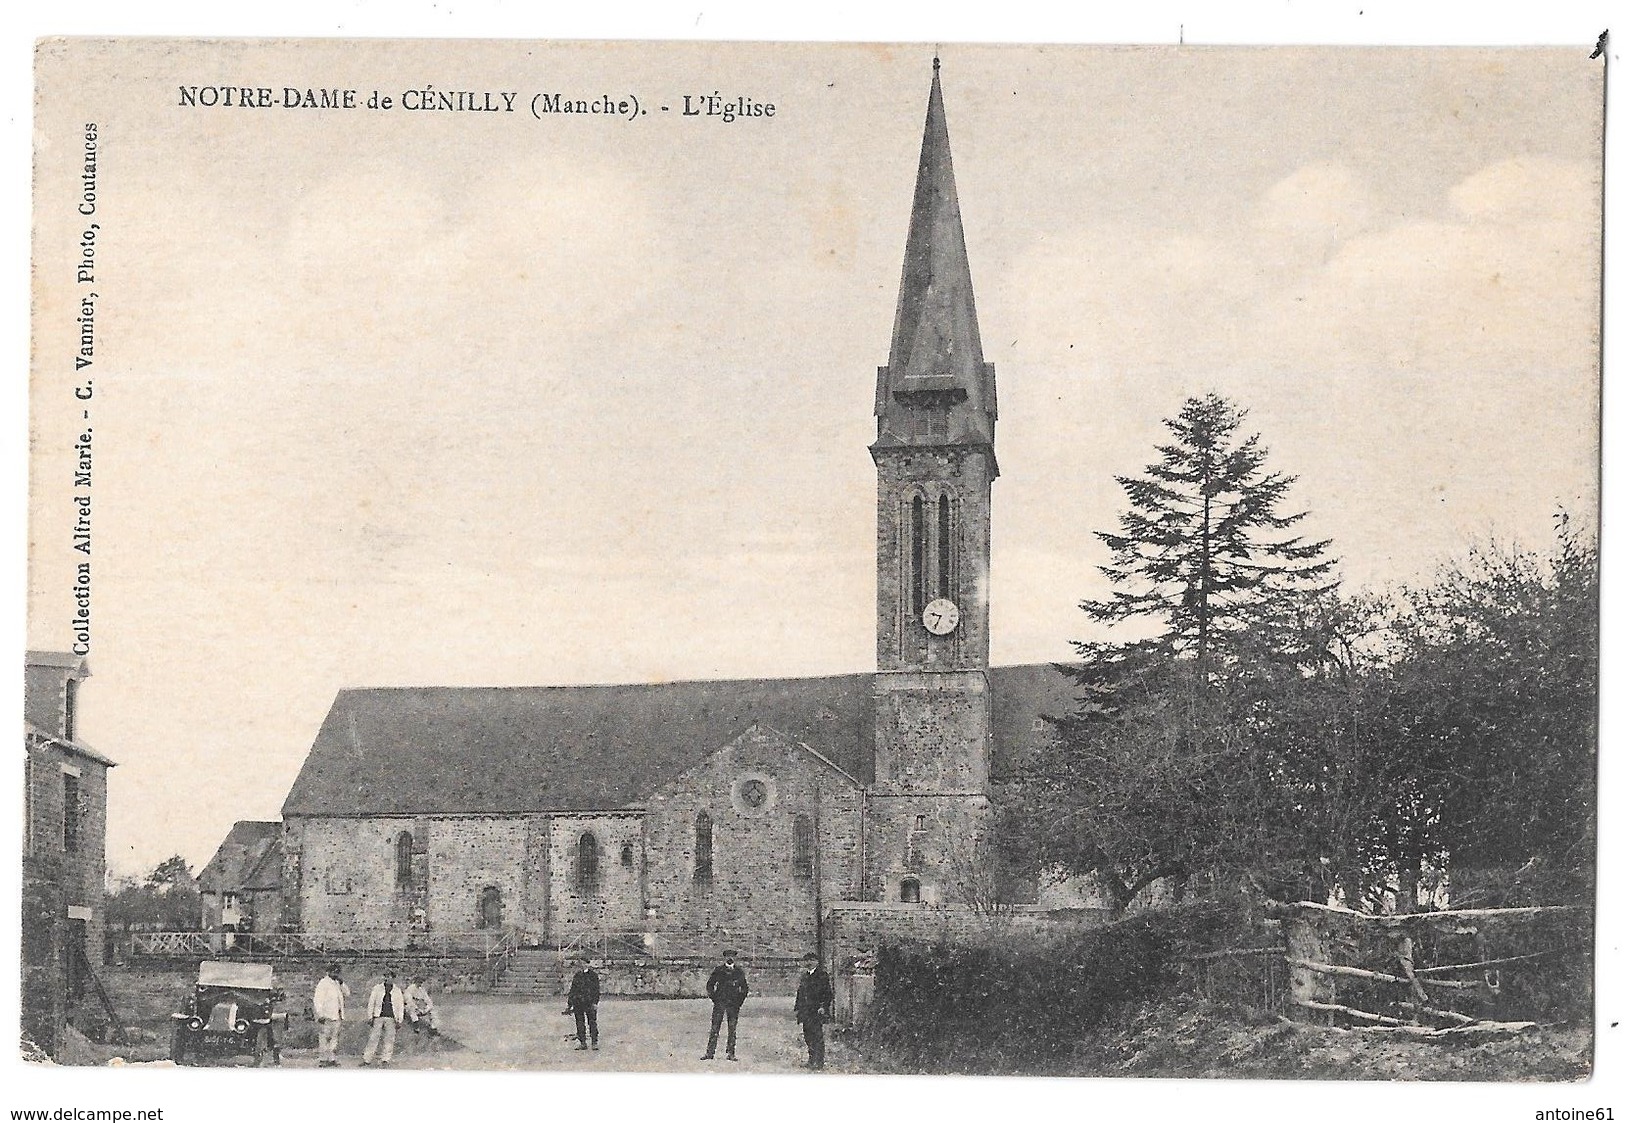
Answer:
x=918 y=555
x=944 y=548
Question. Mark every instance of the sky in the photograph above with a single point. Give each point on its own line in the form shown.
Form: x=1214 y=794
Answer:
x=390 y=398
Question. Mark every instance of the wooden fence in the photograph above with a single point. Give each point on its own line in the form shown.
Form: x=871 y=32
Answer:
x=1427 y=974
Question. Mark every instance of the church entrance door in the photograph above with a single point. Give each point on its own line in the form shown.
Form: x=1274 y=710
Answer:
x=490 y=907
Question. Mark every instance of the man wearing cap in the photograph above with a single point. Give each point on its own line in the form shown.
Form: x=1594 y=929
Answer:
x=583 y=1002
x=728 y=990
x=814 y=1000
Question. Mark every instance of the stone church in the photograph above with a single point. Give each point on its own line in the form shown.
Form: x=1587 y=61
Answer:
x=741 y=811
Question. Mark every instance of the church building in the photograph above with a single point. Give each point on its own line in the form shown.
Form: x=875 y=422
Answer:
x=738 y=811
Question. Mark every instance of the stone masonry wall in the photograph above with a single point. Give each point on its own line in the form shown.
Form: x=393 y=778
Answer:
x=755 y=892
x=942 y=842
x=613 y=901
x=932 y=732
x=962 y=474
x=468 y=855
x=346 y=876
x=80 y=874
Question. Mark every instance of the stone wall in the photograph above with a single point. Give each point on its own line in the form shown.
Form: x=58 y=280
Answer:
x=79 y=874
x=940 y=842
x=148 y=993
x=607 y=899
x=341 y=874
x=932 y=731
x=756 y=887
x=963 y=474
x=854 y=931
x=469 y=855
x=686 y=978
x=44 y=979
x=345 y=876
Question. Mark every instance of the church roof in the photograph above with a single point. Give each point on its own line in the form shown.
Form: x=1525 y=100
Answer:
x=249 y=857
x=936 y=347
x=517 y=750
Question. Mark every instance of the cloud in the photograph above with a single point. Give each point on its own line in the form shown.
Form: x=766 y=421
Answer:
x=1530 y=189
x=1429 y=375
x=1505 y=283
x=1320 y=281
x=1314 y=208
x=409 y=273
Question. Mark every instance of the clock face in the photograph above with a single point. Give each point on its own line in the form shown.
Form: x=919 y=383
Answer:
x=940 y=617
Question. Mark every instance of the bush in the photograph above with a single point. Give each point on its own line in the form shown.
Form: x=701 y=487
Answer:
x=1026 y=1001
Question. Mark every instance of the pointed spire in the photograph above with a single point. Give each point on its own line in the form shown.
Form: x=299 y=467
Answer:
x=936 y=347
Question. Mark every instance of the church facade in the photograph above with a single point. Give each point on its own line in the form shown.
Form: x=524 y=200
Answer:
x=730 y=810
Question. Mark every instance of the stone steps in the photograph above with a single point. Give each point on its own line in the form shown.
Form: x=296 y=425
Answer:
x=532 y=972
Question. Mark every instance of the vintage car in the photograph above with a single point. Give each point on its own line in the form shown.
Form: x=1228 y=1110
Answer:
x=231 y=1012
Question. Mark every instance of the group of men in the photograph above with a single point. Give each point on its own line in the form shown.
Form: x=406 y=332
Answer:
x=727 y=988
x=388 y=1006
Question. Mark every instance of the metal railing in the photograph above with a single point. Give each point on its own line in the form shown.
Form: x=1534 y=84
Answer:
x=489 y=943
x=680 y=943
x=496 y=946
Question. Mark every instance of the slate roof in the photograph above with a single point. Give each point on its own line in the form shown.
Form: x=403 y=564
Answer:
x=936 y=347
x=62 y=659
x=250 y=857
x=516 y=750
x=77 y=747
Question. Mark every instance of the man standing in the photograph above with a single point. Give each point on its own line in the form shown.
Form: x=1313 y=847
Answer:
x=584 y=1002
x=327 y=1006
x=420 y=1007
x=386 y=1006
x=815 y=1000
x=728 y=990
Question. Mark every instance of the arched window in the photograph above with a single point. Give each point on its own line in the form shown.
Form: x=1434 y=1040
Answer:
x=803 y=847
x=917 y=552
x=403 y=860
x=587 y=863
x=489 y=913
x=702 y=848
x=911 y=890
x=626 y=854
x=944 y=548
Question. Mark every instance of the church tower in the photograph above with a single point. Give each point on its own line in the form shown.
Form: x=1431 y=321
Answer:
x=933 y=454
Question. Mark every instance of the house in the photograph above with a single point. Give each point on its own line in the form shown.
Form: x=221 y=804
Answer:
x=64 y=847
x=241 y=887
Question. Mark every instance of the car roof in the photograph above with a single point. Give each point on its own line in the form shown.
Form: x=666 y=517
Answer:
x=249 y=976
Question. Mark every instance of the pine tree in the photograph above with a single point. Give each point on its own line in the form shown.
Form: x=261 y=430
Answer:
x=1203 y=546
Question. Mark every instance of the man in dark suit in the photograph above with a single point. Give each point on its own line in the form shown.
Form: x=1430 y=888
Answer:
x=583 y=1002
x=728 y=990
x=815 y=1002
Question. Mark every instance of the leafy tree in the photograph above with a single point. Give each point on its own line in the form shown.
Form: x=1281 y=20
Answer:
x=166 y=899
x=1161 y=770
x=1496 y=708
x=1321 y=745
x=1204 y=548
